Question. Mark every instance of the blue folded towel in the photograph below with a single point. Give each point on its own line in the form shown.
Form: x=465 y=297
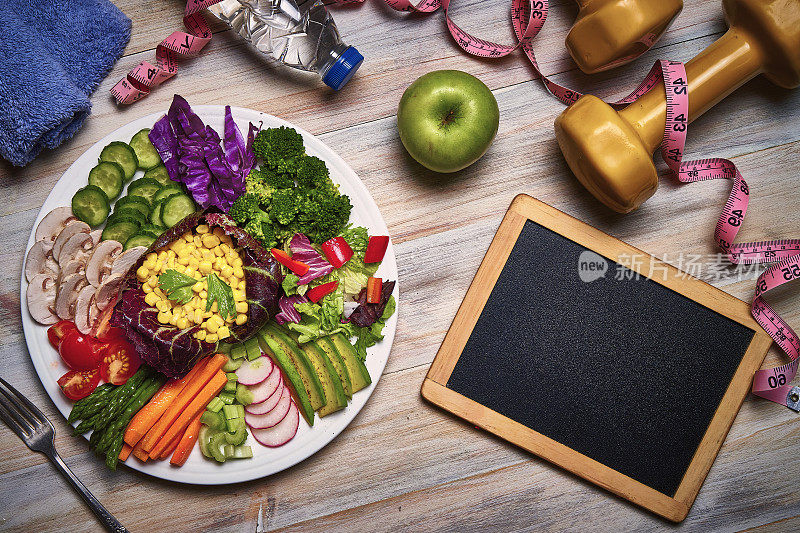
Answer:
x=53 y=55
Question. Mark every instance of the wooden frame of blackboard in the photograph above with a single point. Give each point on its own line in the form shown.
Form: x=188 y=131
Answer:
x=434 y=387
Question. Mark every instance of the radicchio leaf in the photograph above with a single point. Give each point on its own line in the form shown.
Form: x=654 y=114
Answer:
x=288 y=312
x=192 y=153
x=173 y=351
x=367 y=314
x=303 y=251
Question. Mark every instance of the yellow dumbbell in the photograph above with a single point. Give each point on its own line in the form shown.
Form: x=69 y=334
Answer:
x=611 y=152
x=608 y=33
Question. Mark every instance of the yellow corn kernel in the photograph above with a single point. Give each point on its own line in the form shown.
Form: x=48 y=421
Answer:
x=173 y=319
x=197 y=287
x=218 y=252
x=153 y=282
x=238 y=296
x=159 y=265
x=197 y=242
x=190 y=270
x=179 y=268
x=203 y=294
x=241 y=319
x=160 y=293
x=202 y=228
x=198 y=316
x=163 y=305
x=237 y=262
x=197 y=275
x=152 y=256
x=241 y=307
x=200 y=335
x=224 y=247
x=188 y=237
x=171 y=262
x=211 y=337
x=231 y=256
x=151 y=298
x=238 y=272
x=162 y=255
x=207 y=314
x=183 y=261
x=214 y=308
x=205 y=267
x=182 y=323
x=210 y=240
x=207 y=254
x=164 y=317
x=227 y=271
x=170 y=254
x=149 y=263
x=142 y=273
x=147 y=288
x=219 y=263
x=223 y=333
x=217 y=319
x=211 y=326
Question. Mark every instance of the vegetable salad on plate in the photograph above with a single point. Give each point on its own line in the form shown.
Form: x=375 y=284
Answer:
x=226 y=296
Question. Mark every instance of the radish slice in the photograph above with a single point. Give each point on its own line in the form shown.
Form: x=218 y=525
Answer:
x=266 y=388
x=283 y=432
x=267 y=405
x=255 y=371
x=273 y=417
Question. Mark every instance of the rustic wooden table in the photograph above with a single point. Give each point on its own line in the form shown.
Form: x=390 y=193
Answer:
x=402 y=464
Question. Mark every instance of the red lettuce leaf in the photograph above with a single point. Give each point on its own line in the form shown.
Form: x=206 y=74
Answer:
x=367 y=314
x=303 y=251
x=288 y=312
x=173 y=351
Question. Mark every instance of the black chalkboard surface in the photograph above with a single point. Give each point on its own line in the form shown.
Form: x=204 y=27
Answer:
x=629 y=381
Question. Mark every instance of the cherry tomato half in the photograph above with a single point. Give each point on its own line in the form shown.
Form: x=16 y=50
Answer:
x=58 y=331
x=79 y=351
x=76 y=385
x=111 y=333
x=119 y=362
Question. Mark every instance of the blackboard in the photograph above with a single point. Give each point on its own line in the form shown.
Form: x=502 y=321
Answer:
x=570 y=343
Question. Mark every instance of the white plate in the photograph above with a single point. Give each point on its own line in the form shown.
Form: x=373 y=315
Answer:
x=308 y=440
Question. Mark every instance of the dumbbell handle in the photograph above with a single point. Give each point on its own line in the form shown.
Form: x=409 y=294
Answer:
x=712 y=75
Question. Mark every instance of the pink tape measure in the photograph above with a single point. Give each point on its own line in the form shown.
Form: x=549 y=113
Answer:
x=528 y=17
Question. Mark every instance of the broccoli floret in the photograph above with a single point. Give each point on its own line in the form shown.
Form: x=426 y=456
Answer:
x=285 y=205
x=277 y=145
x=325 y=215
x=246 y=207
x=312 y=173
x=269 y=178
x=262 y=231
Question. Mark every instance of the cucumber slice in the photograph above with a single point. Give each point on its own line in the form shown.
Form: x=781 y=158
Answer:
x=176 y=209
x=90 y=205
x=146 y=153
x=144 y=187
x=128 y=214
x=168 y=190
x=140 y=239
x=159 y=173
x=122 y=154
x=150 y=229
x=119 y=231
x=143 y=209
x=155 y=214
x=125 y=200
x=109 y=176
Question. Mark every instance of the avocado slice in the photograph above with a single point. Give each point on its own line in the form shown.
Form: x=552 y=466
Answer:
x=334 y=391
x=359 y=375
x=338 y=363
x=298 y=358
x=297 y=378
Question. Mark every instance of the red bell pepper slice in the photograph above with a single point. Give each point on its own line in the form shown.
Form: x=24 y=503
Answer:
x=320 y=291
x=296 y=267
x=374 y=286
x=337 y=251
x=376 y=249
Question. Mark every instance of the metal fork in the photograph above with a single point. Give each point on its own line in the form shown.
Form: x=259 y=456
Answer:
x=36 y=431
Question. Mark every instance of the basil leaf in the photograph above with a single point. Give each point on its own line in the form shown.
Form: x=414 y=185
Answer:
x=177 y=286
x=220 y=292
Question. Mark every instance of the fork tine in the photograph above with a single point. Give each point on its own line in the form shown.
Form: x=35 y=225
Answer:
x=23 y=402
x=11 y=421
x=17 y=410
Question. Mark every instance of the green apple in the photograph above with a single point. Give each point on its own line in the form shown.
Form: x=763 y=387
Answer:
x=447 y=119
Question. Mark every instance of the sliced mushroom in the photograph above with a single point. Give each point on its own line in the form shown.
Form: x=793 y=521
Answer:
x=68 y=294
x=85 y=309
x=78 y=246
x=96 y=234
x=99 y=265
x=40 y=260
x=76 y=266
x=108 y=290
x=124 y=262
x=70 y=230
x=41 y=296
x=52 y=224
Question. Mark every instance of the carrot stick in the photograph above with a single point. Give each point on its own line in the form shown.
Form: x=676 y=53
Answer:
x=171 y=448
x=196 y=407
x=125 y=452
x=187 y=442
x=179 y=404
x=150 y=413
x=139 y=453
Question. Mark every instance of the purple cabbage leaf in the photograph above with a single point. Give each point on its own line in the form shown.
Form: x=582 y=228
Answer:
x=302 y=250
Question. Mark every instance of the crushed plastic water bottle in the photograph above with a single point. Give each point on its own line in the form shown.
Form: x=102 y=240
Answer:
x=304 y=37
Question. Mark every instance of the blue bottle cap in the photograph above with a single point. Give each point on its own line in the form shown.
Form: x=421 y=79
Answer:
x=344 y=68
